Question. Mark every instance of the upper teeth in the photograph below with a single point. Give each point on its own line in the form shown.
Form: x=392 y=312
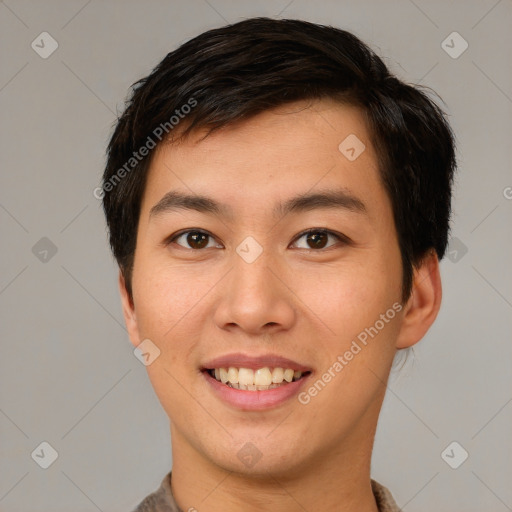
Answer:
x=260 y=377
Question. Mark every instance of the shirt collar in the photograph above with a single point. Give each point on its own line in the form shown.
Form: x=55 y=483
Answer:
x=162 y=500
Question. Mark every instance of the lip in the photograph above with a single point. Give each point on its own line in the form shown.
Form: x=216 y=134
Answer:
x=254 y=400
x=239 y=360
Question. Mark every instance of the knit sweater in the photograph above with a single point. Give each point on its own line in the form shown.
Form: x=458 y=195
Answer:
x=162 y=499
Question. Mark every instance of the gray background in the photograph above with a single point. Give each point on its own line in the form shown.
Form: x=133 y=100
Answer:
x=68 y=375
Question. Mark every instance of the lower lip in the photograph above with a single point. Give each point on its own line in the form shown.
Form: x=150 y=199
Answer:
x=254 y=400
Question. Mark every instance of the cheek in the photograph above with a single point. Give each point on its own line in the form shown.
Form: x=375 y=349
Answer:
x=358 y=350
x=167 y=301
x=348 y=297
x=165 y=296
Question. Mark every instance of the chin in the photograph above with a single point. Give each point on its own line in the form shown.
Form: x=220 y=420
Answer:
x=259 y=457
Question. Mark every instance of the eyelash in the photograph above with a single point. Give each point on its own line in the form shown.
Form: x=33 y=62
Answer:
x=339 y=236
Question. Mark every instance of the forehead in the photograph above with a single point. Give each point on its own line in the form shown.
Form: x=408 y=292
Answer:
x=294 y=149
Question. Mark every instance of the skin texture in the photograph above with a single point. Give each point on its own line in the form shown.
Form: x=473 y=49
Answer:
x=296 y=301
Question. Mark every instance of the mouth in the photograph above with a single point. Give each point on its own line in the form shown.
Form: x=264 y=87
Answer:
x=259 y=379
x=254 y=383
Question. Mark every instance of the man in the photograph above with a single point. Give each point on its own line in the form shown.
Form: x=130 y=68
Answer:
x=278 y=204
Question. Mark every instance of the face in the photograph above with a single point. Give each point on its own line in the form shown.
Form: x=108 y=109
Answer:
x=287 y=263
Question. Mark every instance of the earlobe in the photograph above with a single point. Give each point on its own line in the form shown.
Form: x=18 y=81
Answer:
x=130 y=317
x=423 y=304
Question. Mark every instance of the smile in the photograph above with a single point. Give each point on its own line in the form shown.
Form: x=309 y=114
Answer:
x=260 y=379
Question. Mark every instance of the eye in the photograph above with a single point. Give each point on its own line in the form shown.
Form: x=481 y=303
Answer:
x=315 y=238
x=195 y=239
x=318 y=238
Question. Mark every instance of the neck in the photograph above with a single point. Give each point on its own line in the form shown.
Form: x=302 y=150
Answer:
x=334 y=480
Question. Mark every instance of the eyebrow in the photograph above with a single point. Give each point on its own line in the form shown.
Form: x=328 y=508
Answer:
x=339 y=198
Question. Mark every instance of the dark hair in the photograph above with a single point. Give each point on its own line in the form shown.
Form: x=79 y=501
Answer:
x=237 y=71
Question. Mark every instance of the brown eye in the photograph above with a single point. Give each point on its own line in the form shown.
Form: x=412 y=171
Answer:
x=318 y=239
x=197 y=240
x=193 y=239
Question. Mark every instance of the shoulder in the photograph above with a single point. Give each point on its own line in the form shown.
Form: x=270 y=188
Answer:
x=160 y=500
x=384 y=498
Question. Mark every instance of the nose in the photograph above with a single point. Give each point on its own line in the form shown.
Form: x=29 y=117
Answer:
x=254 y=299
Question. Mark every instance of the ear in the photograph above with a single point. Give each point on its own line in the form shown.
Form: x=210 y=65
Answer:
x=423 y=305
x=129 y=312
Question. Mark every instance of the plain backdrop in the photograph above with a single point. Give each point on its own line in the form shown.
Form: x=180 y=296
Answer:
x=68 y=374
